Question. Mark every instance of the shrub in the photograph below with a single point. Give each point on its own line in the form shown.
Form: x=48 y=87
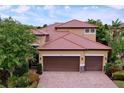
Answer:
x=11 y=82
x=107 y=69
x=122 y=67
x=33 y=85
x=20 y=82
x=23 y=81
x=19 y=71
x=2 y=86
x=39 y=68
x=115 y=68
x=33 y=77
x=4 y=74
x=111 y=68
x=113 y=58
x=118 y=75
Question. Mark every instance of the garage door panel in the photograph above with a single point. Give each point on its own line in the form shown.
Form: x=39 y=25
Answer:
x=93 y=63
x=52 y=63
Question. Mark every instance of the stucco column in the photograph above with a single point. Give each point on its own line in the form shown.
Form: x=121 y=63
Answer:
x=41 y=60
x=82 y=62
x=42 y=40
x=105 y=58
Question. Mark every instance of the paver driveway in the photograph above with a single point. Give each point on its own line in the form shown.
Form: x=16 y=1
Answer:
x=88 y=79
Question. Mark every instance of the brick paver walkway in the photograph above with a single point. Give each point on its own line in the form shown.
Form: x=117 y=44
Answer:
x=87 y=79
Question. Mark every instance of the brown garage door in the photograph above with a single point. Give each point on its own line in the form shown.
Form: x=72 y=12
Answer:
x=56 y=63
x=93 y=63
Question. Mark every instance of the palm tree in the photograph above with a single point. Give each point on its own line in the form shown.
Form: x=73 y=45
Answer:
x=113 y=31
x=115 y=28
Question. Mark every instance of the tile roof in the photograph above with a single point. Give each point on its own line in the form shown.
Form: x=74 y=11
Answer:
x=52 y=32
x=75 y=23
x=84 y=42
x=122 y=25
x=39 y=32
x=61 y=43
x=73 y=42
x=62 y=40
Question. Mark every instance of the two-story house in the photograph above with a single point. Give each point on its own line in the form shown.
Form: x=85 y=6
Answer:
x=70 y=46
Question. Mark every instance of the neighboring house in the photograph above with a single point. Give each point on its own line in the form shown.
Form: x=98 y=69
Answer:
x=70 y=46
x=122 y=25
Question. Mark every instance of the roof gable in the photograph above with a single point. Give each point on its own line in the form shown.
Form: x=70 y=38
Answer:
x=75 y=24
x=61 y=43
x=73 y=42
x=84 y=42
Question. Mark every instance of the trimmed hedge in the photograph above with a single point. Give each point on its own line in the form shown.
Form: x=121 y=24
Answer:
x=118 y=75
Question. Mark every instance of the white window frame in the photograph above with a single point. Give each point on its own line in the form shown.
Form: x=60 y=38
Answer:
x=90 y=31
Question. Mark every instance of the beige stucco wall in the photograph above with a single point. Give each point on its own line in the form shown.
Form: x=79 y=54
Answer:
x=81 y=53
x=41 y=53
x=41 y=40
x=90 y=36
x=80 y=32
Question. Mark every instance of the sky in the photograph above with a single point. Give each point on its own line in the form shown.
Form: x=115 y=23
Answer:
x=48 y=14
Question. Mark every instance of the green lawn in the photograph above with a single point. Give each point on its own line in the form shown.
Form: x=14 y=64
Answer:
x=119 y=83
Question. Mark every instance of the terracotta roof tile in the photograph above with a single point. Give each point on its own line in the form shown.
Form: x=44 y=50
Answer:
x=61 y=43
x=75 y=42
x=75 y=23
x=66 y=40
x=86 y=43
x=122 y=25
x=53 y=33
x=39 y=32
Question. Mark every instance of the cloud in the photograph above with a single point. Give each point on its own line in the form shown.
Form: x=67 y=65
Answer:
x=21 y=9
x=21 y=18
x=90 y=7
x=67 y=8
x=51 y=10
x=94 y=7
x=4 y=16
x=49 y=14
x=49 y=7
x=85 y=8
x=97 y=14
x=4 y=7
x=117 y=6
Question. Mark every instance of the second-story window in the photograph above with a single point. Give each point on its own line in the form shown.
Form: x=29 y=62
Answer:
x=90 y=31
x=87 y=30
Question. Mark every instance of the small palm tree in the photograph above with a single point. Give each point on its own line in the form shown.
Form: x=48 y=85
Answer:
x=115 y=28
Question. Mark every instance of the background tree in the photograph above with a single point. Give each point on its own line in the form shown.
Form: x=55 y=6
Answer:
x=101 y=31
x=117 y=44
x=115 y=38
x=45 y=25
x=111 y=35
x=15 y=44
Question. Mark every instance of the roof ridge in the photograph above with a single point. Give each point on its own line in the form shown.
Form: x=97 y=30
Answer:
x=49 y=26
x=45 y=29
x=91 y=40
x=74 y=43
x=70 y=21
x=56 y=39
